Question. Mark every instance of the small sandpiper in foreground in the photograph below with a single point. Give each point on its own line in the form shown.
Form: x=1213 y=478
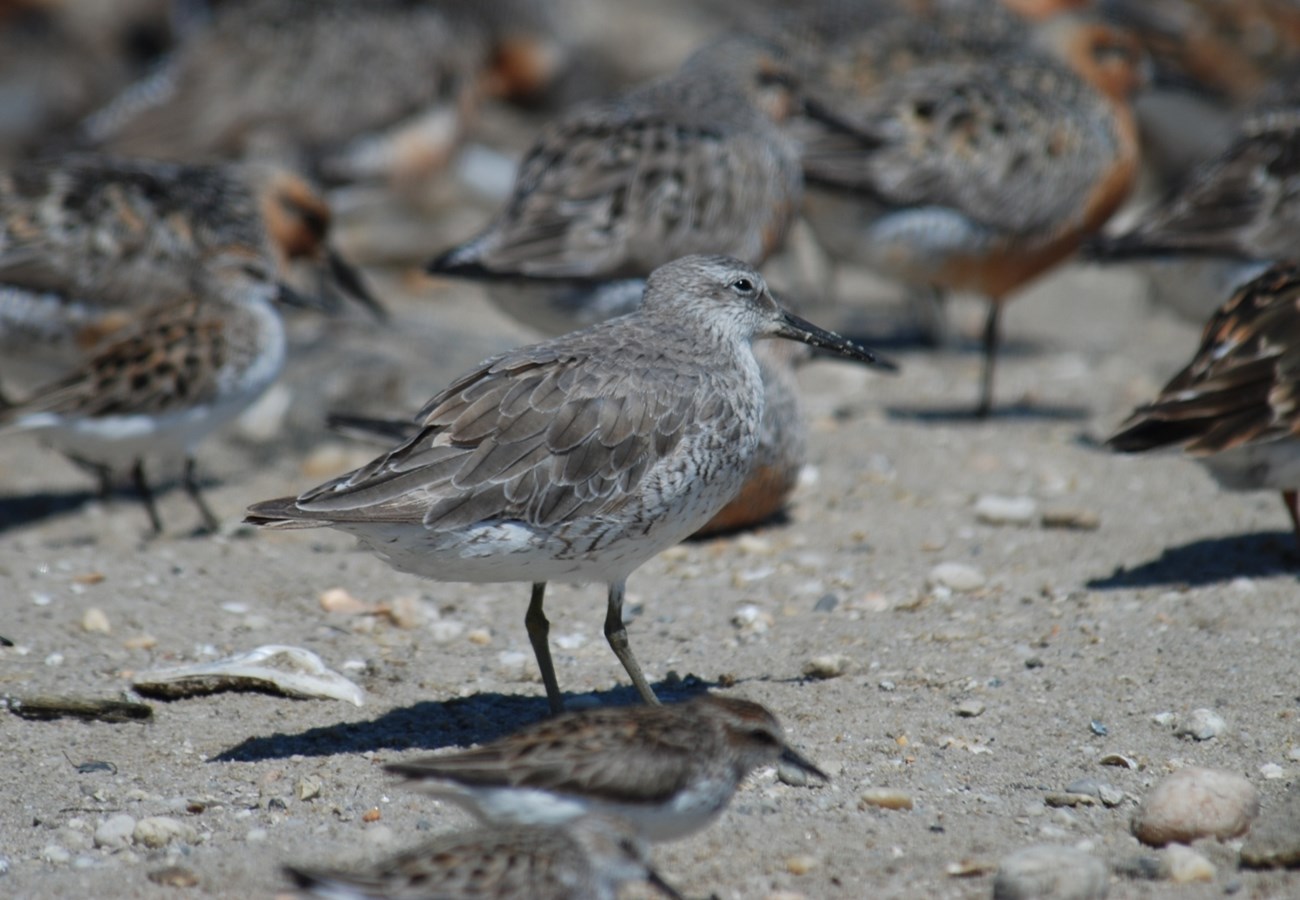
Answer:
x=668 y=770
x=578 y=458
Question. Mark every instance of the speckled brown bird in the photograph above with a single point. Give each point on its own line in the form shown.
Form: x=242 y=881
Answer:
x=1236 y=406
x=88 y=242
x=977 y=172
x=158 y=385
x=669 y=771
x=343 y=89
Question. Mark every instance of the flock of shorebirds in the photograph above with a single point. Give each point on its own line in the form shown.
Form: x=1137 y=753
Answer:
x=150 y=238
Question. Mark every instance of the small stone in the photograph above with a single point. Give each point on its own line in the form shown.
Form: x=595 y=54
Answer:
x=1202 y=725
x=1107 y=794
x=970 y=708
x=159 y=831
x=800 y=865
x=826 y=603
x=56 y=855
x=1119 y=759
x=115 y=832
x=174 y=876
x=1049 y=872
x=1272 y=771
x=1059 y=799
x=307 y=788
x=338 y=600
x=372 y=815
x=140 y=642
x=407 y=611
x=752 y=619
x=992 y=509
x=830 y=666
x=1072 y=519
x=884 y=798
x=1194 y=803
x=795 y=776
x=1186 y=866
x=480 y=637
x=1165 y=719
x=956 y=577
x=94 y=621
x=444 y=630
x=1274 y=841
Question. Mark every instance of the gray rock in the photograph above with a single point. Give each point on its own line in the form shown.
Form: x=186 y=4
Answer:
x=115 y=832
x=1048 y=872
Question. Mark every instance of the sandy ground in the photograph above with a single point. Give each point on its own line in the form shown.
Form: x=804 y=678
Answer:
x=1184 y=597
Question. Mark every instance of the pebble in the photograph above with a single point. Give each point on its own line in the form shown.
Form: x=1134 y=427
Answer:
x=444 y=630
x=338 y=600
x=970 y=708
x=1194 y=803
x=94 y=621
x=1058 y=799
x=1120 y=760
x=1186 y=866
x=1050 y=872
x=826 y=603
x=956 y=576
x=1274 y=841
x=159 y=831
x=115 y=832
x=830 y=666
x=1073 y=519
x=174 y=876
x=4 y=865
x=1202 y=725
x=56 y=855
x=992 y=509
x=307 y=788
x=1272 y=771
x=1106 y=793
x=885 y=798
x=480 y=637
x=752 y=619
x=800 y=865
x=140 y=642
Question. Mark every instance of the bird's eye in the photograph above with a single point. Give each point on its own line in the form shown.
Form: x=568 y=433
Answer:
x=742 y=286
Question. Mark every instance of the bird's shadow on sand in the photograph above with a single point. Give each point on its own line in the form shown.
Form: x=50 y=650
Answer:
x=431 y=725
x=956 y=415
x=1211 y=561
x=18 y=511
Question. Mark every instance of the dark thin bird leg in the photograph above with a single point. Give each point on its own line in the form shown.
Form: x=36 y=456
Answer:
x=991 y=337
x=616 y=634
x=538 y=632
x=1290 y=498
x=103 y=474
x=210 y=522
x=146 y=495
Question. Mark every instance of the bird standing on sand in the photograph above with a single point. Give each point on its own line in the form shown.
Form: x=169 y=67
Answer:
x=1236 y=406
x=578 y=458
x=667 y=770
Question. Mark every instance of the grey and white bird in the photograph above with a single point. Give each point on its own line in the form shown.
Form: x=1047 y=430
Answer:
x=578 y=458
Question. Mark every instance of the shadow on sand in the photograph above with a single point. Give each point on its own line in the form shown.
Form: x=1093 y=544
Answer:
x=430 y=724
x=1211 y=561
x=26 y=509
